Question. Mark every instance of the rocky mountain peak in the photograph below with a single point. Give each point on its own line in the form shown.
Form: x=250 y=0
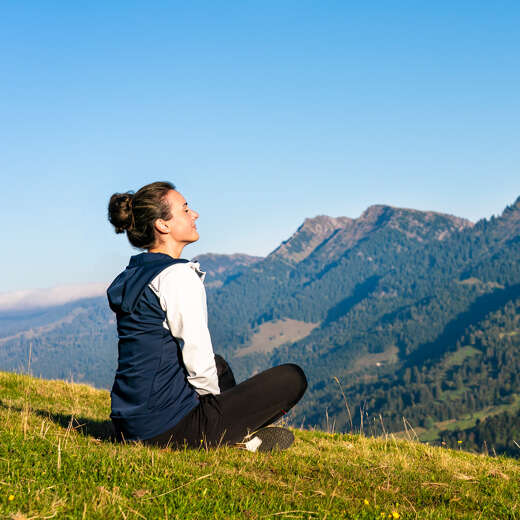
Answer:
x=332 y=234
x=509 y=221
x=308 y=236
x=323 y=224
x=377 y=213
x=414 y=223
x=513 y=210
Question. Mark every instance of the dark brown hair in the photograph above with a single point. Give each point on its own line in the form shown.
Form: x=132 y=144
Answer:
x=136 y=213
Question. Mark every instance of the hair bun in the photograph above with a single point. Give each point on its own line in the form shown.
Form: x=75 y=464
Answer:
x=120 y=212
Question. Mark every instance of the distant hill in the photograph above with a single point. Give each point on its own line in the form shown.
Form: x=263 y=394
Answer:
x=392 y=306
x=78 y=340
x=220 y=268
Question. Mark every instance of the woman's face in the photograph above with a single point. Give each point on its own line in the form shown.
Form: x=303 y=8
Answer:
x=181 y=226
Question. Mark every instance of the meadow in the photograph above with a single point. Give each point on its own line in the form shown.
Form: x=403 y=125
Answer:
x=57 y=461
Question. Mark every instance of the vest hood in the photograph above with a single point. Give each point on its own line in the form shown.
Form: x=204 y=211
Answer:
x=125 y=290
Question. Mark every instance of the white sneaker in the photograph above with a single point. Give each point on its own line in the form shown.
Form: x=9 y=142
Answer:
x=270 y=438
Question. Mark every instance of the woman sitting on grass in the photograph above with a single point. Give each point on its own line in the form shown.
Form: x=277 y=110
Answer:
x=170 y=389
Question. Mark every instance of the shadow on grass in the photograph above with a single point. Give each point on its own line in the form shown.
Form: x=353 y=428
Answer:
x=102 y=430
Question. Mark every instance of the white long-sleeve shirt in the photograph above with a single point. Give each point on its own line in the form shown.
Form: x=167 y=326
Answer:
x=182 y=296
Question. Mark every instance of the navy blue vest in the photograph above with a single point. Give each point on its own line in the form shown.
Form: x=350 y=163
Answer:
x=151 y=392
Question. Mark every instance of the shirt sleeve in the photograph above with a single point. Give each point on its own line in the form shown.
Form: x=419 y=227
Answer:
x=183 y=297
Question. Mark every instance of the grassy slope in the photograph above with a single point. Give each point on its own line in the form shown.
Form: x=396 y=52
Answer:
x=52 y=464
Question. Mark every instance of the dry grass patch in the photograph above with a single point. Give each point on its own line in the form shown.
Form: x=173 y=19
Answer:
x=272 y=334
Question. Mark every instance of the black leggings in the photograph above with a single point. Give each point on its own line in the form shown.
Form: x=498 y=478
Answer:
x=228 y=417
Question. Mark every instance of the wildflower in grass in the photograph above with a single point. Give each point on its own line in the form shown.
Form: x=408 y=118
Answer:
x=11 y=497
x=395 y=514
x=366 y=502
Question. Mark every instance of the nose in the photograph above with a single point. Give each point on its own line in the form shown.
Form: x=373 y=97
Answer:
x=195 y=214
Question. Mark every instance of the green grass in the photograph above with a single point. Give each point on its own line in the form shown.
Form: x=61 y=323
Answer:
x=467 y=420
x=460 y=355
x=56 y=462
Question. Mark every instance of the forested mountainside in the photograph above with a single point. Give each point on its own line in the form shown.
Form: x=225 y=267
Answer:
x=395 y=296
x=479 y=372
x=320 y=281
x=498 y=433
x=414 y=314
x=76 y=341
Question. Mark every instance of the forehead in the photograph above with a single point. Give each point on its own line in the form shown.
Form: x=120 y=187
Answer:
x=175 y=199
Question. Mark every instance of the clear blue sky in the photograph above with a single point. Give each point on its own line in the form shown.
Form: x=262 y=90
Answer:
x=262 y=113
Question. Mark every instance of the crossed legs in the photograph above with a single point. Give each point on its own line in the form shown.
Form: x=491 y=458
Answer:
x=228 y=417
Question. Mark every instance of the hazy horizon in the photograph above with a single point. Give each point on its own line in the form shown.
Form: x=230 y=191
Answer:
x=40 y=297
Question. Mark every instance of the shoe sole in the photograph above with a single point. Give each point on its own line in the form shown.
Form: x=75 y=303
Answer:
x=271 y=438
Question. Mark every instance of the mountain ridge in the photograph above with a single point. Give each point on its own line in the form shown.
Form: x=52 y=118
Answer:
x=317 y=230
x=386 y=289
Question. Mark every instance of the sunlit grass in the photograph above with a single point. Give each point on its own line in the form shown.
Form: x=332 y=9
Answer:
x=56 y=461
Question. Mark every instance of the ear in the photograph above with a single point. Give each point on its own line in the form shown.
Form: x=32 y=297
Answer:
x=161 y=226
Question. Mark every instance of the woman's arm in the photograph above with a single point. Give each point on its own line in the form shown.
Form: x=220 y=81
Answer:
x=183 y=298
